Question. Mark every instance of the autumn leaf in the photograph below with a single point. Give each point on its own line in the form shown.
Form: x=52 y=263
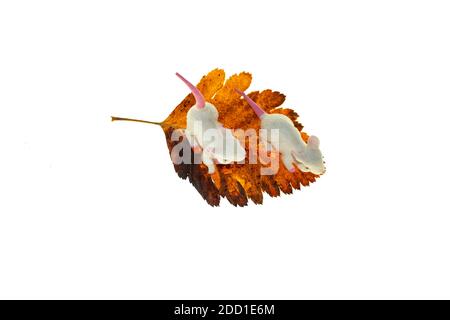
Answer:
x=236 y=182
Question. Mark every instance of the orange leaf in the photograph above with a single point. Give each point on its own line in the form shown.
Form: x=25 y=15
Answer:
x=236 y=182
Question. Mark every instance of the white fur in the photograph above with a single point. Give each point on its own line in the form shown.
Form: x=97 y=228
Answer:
x=218 y=143
x=291 y=146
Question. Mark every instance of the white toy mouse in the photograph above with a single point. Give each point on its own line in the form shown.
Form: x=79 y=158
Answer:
x=291 y=146
x=206 y=134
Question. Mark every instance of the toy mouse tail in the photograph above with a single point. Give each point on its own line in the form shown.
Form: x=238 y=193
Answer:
x=199 y=99
x=259 y=112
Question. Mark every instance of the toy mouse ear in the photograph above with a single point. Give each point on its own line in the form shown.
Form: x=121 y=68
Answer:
x=313 y=142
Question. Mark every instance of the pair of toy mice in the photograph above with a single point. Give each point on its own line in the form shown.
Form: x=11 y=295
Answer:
x=206 y=134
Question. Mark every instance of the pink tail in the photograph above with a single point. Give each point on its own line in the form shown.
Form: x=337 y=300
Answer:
x=199 y=99
x=259 y=112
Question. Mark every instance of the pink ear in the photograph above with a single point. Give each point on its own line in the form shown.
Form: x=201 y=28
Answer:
x=313 y=142
x=199 y=99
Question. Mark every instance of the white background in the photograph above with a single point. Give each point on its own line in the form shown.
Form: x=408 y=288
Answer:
x=94 y=209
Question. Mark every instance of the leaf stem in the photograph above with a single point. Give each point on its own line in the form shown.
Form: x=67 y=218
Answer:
x=134 y=120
